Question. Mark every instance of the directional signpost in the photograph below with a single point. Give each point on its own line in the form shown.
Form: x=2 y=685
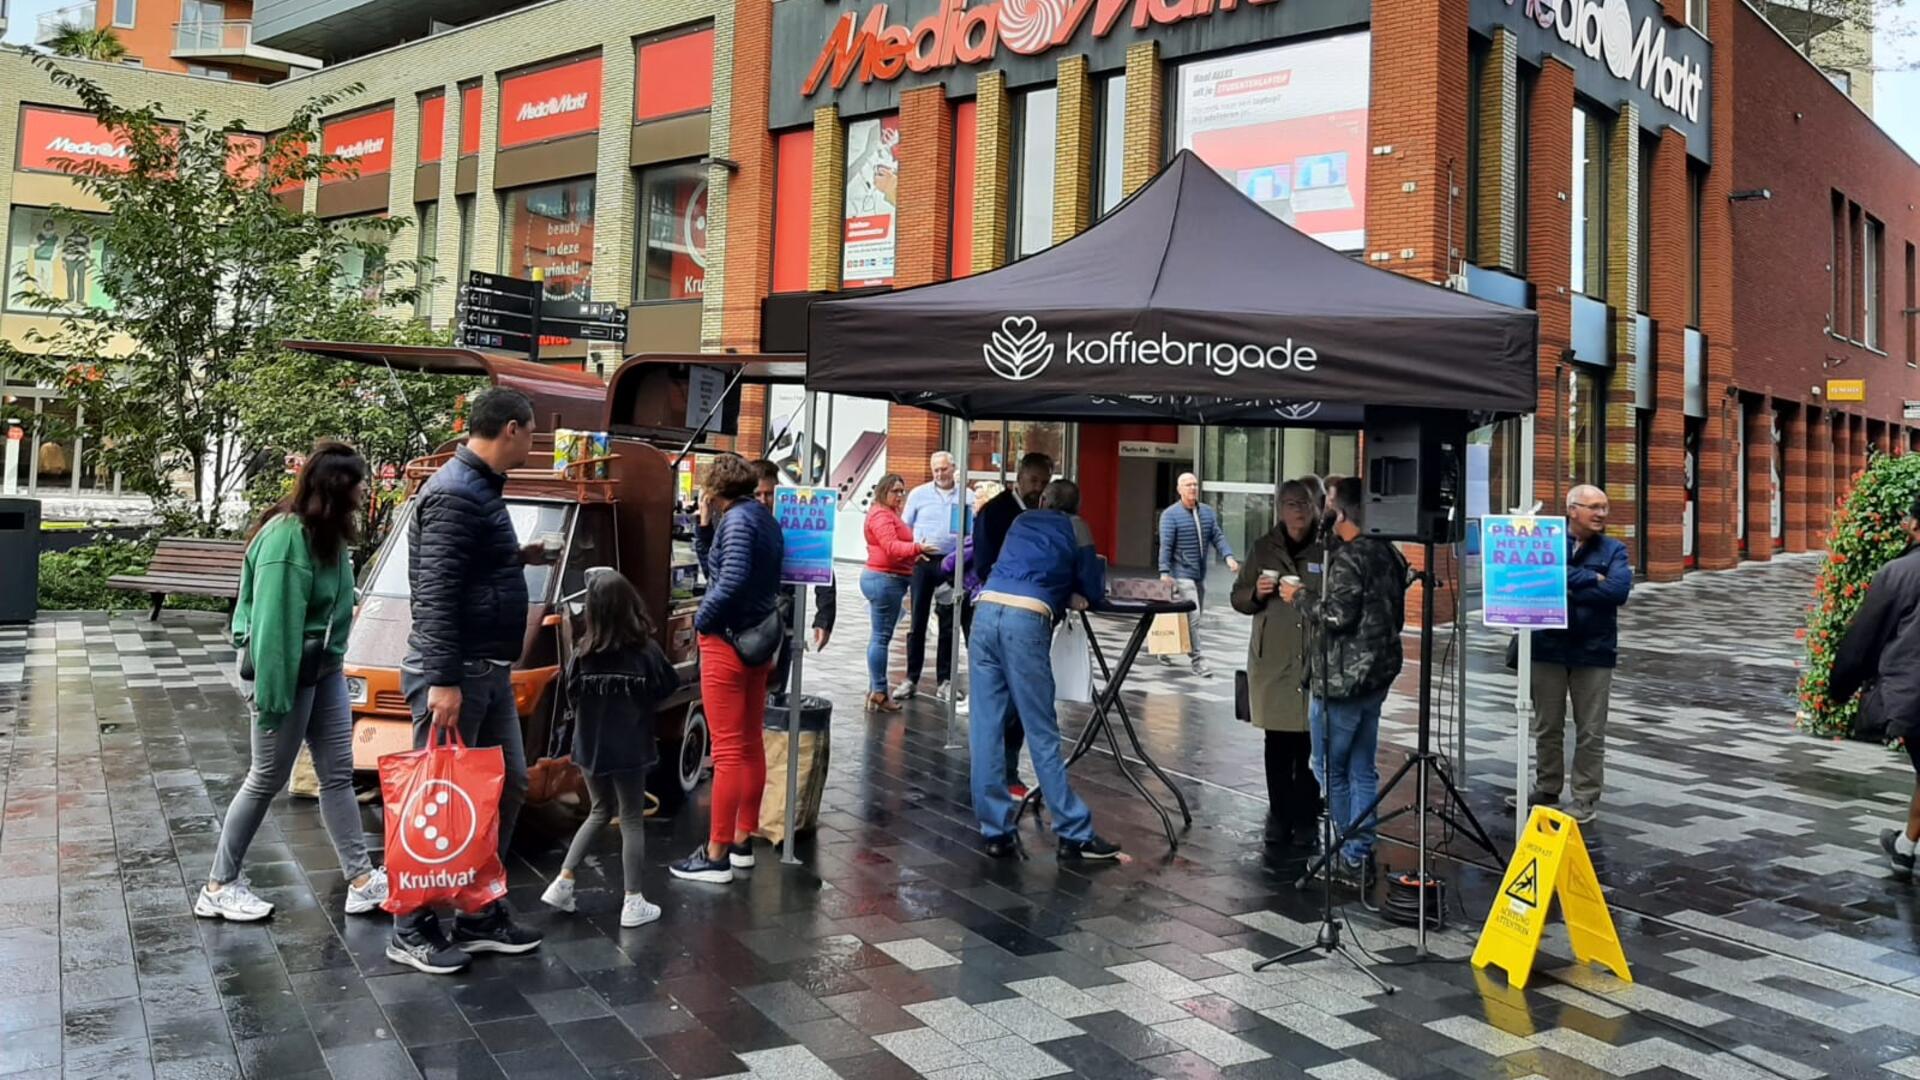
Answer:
x=510 y=314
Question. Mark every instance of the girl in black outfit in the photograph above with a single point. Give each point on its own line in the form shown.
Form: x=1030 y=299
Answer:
x=616 y=679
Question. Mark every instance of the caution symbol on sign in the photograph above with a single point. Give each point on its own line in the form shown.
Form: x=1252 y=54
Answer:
x=1550 y=860
x=1525 y=888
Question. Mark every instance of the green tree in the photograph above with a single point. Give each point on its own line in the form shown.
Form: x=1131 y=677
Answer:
x=205 y=272
x=1864 y=534
x=88 y=43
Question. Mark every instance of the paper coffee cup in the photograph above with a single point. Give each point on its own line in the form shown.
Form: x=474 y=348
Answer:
x=1270 y=575
x=1290 y=580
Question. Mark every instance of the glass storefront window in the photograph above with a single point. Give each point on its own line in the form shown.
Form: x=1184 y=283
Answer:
x=59 y=259
x=428 y=217
x=872 y=208
x=463 y=207
x=362 y=266
x=550 y=228
x=1287 y=126
x=1589 y=265
x=994 y=450
x=1113 y=141
x=673 y=233
x=54 y=455
x=1039 y=119
x=1586 y=426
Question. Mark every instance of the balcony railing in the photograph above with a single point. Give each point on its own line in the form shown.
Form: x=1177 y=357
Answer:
x=212 y=37
x=51 y=23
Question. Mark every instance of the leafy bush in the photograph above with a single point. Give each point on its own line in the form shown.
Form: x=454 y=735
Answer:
x=77 y=580
x=1865 y=534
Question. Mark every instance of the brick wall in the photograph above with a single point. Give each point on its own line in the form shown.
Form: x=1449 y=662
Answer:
x=1669 y=238
x=992 y=165
x=1623 y=291
x=829 y=200
x=1074 y=158
x=733 y=304
x=1549 y=252
x=922 y=250
x=1759 y=444
x=1146 y=116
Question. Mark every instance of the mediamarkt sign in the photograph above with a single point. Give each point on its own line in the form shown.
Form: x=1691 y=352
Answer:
x=958 y=34
x=1604 y=31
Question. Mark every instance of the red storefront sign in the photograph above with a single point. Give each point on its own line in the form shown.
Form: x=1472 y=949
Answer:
x=364 y=142
x=56 y=141
x=675 y=76
x=291 y=150
x=433 y=128
x=469 y=121
x=958 y=34
x=552 y=103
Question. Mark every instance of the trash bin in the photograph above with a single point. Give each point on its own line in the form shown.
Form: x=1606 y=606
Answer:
x=816 y=718
x=19 y=559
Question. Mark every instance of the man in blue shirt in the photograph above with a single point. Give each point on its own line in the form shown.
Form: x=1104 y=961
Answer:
x=1188 y=531
x=1046 y=567
x=933 y=513
x=1578 y=662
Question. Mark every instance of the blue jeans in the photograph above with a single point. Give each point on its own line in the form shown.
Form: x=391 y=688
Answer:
x=488 y=717
x=884 y=593
x=322 y=720
x=1346 y=736
x=1012 y=663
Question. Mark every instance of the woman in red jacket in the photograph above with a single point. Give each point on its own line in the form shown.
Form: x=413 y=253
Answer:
x=891 y=553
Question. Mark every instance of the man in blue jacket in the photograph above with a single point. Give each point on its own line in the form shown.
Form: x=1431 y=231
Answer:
x=1046 y=567
x=1189 y=530
x=1578 y=662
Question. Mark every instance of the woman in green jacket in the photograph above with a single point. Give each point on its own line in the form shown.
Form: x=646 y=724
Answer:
x=290 y=624
x=1277 y=662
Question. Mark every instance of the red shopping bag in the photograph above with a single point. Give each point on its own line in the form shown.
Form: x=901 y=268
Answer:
x=443 y=825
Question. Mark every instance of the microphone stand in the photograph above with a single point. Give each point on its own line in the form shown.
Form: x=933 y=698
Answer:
x=1327 y=941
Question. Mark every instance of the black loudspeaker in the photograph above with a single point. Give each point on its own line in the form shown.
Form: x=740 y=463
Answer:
x=1415 y=475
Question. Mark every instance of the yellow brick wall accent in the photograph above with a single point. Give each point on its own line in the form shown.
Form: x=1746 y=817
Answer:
x=1497 y=241
x=1624 y=287
x=718 y=179
x=1146 y=116
x=992 y=164
x=1076 y=153
x=829 y=199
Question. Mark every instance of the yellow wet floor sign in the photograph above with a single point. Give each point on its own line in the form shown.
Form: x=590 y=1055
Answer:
x=1550 y=860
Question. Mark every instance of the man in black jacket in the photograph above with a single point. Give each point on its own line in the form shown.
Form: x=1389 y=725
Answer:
x=469 y=605
x=1881 y=651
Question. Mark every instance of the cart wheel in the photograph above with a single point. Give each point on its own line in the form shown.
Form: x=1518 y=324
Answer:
x=695 y=745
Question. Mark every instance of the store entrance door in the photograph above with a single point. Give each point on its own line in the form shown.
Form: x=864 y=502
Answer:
x=1150 y=484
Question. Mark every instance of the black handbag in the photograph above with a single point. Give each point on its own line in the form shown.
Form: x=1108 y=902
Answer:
x=315 y=663
x=759 y=643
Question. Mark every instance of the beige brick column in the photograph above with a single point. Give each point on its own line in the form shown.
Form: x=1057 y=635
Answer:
x=1076 y=152
x=405 y=242
x=615 y=185
x=755 y=144
x=992 y=172
x=1623 y=292
x=829 y=198
x=1497 y=199
x=1145 y=146
x=486 y=203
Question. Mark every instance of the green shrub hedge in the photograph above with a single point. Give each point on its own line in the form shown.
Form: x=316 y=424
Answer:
x=76 y=580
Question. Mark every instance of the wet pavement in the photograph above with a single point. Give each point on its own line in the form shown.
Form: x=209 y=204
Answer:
x=1765 y=936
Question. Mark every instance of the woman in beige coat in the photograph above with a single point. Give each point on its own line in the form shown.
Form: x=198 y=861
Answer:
x=1277 y=663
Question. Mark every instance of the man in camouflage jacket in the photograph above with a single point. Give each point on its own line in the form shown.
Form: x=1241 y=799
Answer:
x=1355 y=613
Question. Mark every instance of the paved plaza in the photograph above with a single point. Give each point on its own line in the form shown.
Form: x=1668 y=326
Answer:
x=1765 y=936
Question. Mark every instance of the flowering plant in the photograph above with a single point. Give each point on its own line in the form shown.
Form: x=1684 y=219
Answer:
x=1864 y=535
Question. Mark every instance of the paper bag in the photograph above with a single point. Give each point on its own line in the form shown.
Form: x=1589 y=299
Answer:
x=1072 y=663
x=814 y=755
x=1169 y=636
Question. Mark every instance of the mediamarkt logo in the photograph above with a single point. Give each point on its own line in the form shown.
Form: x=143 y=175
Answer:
x=958 y=34
x=359 y=149
x=553 y=106
x=1020 y=350
x=1603 y=29
x=63 y=145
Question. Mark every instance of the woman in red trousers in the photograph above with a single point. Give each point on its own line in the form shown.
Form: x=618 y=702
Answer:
x=739 y=624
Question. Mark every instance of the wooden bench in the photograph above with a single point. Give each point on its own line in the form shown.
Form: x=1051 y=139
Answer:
x=188 y=566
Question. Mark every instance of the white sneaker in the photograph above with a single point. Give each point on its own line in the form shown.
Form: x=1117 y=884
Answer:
x=234 y=902
x=634 y=910
x=965 y=708
x=559 y=894
x=364 y=898
x=945 y=690
x=904 y=691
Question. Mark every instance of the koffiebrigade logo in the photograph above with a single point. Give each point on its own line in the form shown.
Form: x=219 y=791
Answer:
x=1020 y=349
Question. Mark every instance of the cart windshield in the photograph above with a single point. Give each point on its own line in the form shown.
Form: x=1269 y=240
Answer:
x=531 y=521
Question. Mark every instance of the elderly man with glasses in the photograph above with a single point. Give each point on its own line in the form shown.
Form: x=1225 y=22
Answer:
x=1577 y=663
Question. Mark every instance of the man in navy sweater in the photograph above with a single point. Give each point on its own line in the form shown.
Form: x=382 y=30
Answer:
x=1578 y=662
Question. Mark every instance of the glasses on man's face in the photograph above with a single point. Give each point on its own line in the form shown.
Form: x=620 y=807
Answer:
x=1591 y=507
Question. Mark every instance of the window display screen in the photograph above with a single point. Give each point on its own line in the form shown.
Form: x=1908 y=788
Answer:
x=873 y=189
x=1287 y=126
x=61 y=259
x=673 y=236
x=550 y=228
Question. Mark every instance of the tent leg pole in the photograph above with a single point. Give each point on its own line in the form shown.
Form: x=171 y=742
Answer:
x=798 y=644
x=1523 y=695
x=964 y=432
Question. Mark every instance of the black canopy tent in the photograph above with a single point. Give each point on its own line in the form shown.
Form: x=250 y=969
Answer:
x=1188 y=303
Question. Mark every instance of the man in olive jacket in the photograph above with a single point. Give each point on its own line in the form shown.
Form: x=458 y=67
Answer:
x=1277 y=701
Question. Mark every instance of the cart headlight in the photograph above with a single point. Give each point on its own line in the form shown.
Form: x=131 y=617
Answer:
x=356 y=690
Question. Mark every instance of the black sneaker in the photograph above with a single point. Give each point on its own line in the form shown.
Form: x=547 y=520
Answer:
x=493 y=931
x=1902 y=864
x=697 y=867
x=1355 y=872
x=1093 y=849
x=1005 y=846
x=425 y=948
x=741 y=855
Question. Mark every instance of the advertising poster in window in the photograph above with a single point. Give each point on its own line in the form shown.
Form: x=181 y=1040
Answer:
x=550 y=229
x=1287 y=126
x=873 y=188
x=851 y=452
x=57 y=259
x=676 y=240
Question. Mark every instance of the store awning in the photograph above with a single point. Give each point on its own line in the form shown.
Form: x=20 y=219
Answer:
x=1188 y=303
